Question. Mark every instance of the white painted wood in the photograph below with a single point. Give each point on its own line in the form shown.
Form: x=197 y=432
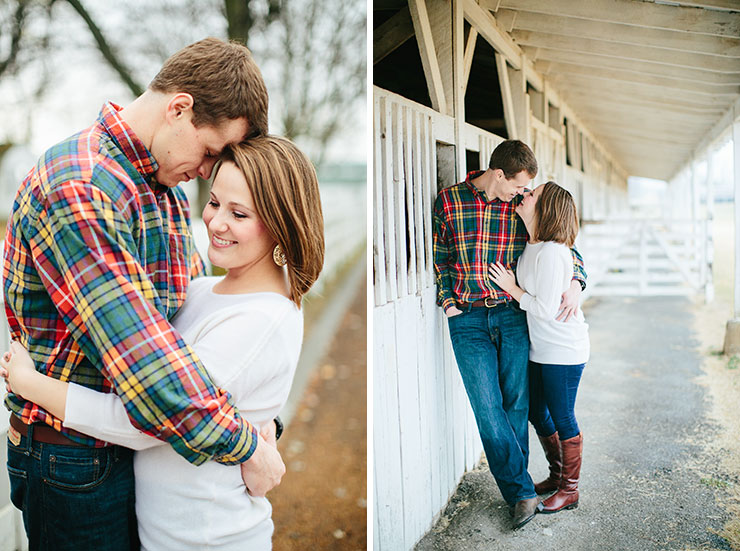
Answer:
x=380 y=140
x=551 y=61
x=506 y=97
x=440 y=19
x=640 y=14
x=486 y=26
x=619 y=33
x=708 y=85
x=387 y=440
x=390 y=205
x=429 y=165
x=423 y=31
x=413 y=476
x=392 y=34
x=537 y=39
x=469 y=51
x=418 y=270
x=707 y=266
x=736 y=178
x=399 y=186
x=410 y=273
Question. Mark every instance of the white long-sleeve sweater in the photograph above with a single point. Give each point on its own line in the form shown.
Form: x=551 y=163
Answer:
x=544 y=271
x=250 y=346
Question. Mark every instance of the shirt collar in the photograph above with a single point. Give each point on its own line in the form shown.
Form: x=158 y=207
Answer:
x=472 y=175
x=131 y=146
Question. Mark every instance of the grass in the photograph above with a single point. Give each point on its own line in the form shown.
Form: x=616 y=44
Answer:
x=733 y=362
x=714 y=483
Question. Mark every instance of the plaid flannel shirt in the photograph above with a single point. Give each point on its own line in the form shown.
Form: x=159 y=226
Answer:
x=471 y=232
x=98 y=257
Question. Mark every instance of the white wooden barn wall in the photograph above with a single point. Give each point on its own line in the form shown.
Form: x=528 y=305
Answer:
x=425 y=437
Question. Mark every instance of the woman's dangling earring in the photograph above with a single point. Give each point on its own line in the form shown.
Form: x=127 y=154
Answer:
x=278 y=256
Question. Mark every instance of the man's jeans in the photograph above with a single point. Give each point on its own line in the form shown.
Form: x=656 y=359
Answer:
x=74 y=497
x=492 y=350
x=553 y=390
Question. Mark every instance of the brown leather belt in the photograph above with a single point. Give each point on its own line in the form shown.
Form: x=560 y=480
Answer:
x=488 y=302
x=42 y=433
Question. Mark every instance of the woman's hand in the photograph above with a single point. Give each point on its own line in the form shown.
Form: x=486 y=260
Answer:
x=502 y=277
x=18 y=369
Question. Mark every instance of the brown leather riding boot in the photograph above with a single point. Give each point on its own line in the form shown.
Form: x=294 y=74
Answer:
x=551 y=445
x=567 y=495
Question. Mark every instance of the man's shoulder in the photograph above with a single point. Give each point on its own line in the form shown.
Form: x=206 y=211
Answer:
x=88 y=158
x=456 y=193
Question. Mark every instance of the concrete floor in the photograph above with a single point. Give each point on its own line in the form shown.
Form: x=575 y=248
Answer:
x=648 y=482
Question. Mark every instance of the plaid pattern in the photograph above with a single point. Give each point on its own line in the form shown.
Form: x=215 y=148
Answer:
x=98 y=257
x=470 y=232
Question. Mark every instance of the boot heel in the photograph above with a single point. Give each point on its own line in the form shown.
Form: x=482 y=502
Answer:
x=572 y=506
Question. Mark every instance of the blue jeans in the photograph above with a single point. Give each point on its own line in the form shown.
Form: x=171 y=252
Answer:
x=552 y=395
x=492 y=348
x=74 y=497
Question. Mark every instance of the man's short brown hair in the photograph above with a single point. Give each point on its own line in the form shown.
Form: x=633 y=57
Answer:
x=555 y=215
x=513 y=156
x=223 y=79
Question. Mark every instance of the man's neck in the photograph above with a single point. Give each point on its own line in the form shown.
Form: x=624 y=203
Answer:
x=143 y=115
x=486 y=182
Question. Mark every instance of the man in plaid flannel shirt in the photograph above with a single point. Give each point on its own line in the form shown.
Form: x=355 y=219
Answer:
x=98 y=256
x=475 y=225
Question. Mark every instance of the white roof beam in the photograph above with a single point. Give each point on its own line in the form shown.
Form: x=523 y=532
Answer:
x=486 y=25
x=667 y=84
x=623 y=51
x=392 y=34
x=635 y=67
x=629 y=12
x=623 y=34
x=606 y=87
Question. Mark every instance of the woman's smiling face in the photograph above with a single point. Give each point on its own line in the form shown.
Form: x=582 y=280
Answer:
x=529 y=200
x=237 y=236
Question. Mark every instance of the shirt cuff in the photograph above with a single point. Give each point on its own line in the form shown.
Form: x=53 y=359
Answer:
x=240 y=448
x=525 y=302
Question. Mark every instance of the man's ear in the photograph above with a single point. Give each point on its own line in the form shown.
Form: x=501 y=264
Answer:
x=498 y=174
x=180 y=105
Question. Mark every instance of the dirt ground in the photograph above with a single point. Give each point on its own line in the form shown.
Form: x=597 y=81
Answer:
x=721 y=373
x=322 y=501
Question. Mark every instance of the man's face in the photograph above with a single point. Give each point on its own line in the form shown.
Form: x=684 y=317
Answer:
x=184 y=151
x=508 y=188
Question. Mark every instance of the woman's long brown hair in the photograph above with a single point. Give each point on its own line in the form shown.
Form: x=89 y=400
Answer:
x=285 y=190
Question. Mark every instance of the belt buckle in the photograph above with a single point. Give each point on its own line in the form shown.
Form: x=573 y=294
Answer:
x=493 y=302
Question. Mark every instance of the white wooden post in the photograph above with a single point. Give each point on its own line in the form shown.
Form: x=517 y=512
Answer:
x=708 y=260
x=736 y=173
x=643 y=282
x=732 y=333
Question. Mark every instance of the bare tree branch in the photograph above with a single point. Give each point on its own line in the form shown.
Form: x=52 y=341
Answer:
x=15 y=36
x=107 y=51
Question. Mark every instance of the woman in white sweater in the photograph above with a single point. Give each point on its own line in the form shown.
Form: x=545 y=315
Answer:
x=265 y=227
x=559 y=349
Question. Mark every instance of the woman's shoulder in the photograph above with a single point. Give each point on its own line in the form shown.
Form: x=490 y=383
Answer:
x=552 y=249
